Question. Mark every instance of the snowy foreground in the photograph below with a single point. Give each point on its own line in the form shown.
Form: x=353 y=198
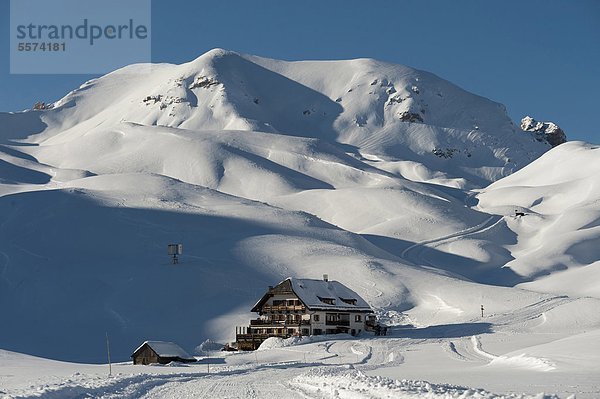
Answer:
x=351 y=368
x=507 y=364
x=425 y=199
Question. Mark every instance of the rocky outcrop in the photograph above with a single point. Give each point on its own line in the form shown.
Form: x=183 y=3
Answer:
x=413 y=117
x=204 y=82
x=544 y=131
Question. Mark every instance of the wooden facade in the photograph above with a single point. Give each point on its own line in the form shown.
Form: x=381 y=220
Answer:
x=284 y=313
x=145 y=355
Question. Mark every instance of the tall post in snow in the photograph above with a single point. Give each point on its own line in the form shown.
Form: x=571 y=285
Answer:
x=108 y=353
x=482 y=310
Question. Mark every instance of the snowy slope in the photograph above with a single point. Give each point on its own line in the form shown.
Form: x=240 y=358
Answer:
x=553 y=247
x=266 y=169
x=360 y=103
x=558 y=239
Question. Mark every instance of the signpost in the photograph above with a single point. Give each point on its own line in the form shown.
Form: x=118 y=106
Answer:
x=175 y=250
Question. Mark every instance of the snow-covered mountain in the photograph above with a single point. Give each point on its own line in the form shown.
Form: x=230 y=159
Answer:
x=389 y=179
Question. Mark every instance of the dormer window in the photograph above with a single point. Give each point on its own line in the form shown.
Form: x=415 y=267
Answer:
x=328 y=301
x=349 y=301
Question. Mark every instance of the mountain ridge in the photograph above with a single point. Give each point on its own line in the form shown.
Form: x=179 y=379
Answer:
x=219 y=155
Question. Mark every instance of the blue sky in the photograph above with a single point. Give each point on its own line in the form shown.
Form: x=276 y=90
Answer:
x=539 y=57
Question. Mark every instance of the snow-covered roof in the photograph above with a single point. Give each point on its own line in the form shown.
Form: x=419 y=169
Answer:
x=166 y=349
x=311 y=292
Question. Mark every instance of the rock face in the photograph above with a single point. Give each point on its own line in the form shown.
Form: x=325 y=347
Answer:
x=544 y=131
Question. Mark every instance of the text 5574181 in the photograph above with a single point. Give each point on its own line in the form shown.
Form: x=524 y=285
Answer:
x=41 y=46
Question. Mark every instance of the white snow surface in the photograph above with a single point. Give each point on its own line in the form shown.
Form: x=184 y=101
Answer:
x=394 y=182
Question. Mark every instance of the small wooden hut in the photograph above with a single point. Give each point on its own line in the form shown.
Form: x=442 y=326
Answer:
x=160 y=352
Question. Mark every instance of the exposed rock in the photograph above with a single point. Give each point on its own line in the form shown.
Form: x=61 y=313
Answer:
x=152 y=99
x=397 y=99
x=163 y=101
x=40 y=105
x=447 y=153
x=203 y=82
x=407 y=116
x=544 y=131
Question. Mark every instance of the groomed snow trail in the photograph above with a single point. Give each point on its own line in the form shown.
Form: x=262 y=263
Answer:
x=275 y=382
x=264 y=383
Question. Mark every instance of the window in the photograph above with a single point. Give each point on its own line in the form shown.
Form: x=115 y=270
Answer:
x=349 y=301
x=317 y=331
x=305 y=331
x=328 y=301
x=357 y=318
x=316 y=317
x=278 y=302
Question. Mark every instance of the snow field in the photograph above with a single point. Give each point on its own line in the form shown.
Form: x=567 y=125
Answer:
x=391 y=180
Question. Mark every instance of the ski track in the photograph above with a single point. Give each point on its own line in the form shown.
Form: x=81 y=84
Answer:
x=521 y=319
x=251 y=384
x=519 y=361
x=413 y=252
x=117 y=387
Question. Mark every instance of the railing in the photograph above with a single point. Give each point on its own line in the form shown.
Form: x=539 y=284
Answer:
x=283 y=323
x=257 y=337
x=283 y=308
x=337 y=322
x=249 y=342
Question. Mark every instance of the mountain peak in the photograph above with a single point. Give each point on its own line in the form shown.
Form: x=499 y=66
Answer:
x=391 y=112
x=548 y=132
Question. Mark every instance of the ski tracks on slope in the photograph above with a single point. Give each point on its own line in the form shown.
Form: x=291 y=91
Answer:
x=253 y=384
x=112 y=388
x=518 y=361
x=530 y=316
x=413 y=252
x=471 y=350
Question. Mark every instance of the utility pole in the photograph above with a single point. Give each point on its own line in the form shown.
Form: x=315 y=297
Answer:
x=482 y=310
x=108 y=353
x=207 y=362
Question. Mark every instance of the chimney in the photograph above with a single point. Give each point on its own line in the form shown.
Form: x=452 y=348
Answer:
x=270 y=287
x=325 y=277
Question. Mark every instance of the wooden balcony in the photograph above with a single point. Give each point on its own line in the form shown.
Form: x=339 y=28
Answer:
x=278 y=323
x=283 y=308
x=250 y=342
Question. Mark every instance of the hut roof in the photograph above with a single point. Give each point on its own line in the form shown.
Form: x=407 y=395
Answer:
x=320 y=294
x=313 y=293
x=166 y=349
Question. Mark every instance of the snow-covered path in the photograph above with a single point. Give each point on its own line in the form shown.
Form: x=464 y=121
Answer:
x=260 y=383
x=271 y=382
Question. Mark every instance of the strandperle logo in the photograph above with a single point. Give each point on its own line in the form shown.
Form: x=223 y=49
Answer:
x=84 y=31
x=79 y=36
